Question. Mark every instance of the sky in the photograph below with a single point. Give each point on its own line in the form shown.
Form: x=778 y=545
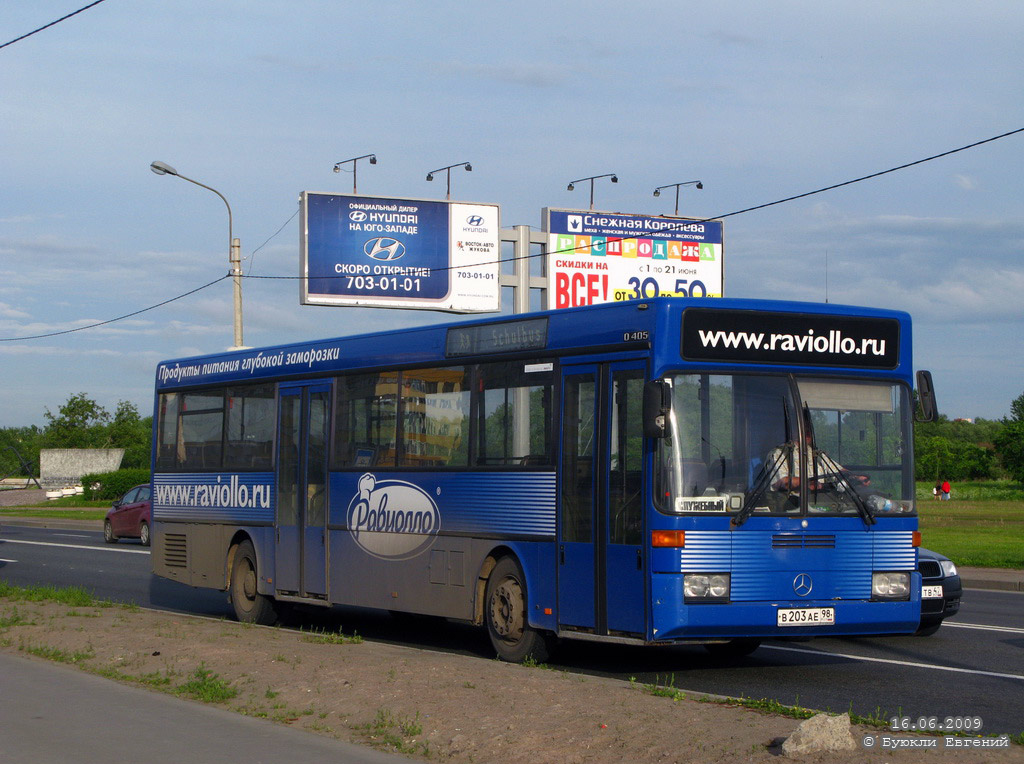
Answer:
x=259 y=100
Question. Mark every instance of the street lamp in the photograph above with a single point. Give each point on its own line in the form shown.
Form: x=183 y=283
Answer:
x=697 y=183
x=337 y=166
x=572 y=184
x=234 y=246
x=448 y=171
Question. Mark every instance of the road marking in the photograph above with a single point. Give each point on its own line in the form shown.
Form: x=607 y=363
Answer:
x=73 y=535
x=933 y=666
x=2 y=559
x=984 y=627
x=76 y=546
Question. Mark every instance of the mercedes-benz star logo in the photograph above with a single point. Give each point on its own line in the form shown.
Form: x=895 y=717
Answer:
x=802 y=585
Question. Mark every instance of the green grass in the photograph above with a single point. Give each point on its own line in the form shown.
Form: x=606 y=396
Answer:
x=75 y=501
x=396 y=733
x=74 y=596
x=982 y=525
x=321 y=637
x=66 y=514
x=982 y=490
x=207 y=687
x=981 y=534
x=57 y=654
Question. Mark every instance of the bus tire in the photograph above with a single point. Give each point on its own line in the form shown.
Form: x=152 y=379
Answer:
x=505 y=614
x=249 y=605
x=734 y=648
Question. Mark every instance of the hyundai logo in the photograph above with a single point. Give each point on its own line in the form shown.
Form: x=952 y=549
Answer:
x=357 y=216
x=384 y=248
x=475 y=220
x=802 y=585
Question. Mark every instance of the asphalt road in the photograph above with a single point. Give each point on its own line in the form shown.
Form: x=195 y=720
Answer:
x=972 y=667
x=103 y=721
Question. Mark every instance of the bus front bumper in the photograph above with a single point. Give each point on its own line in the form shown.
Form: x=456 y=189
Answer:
x=804 y=618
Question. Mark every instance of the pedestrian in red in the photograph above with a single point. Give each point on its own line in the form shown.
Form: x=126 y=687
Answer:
x=945 y=490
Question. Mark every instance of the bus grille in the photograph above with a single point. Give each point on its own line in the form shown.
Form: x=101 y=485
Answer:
x=803 y=541
x=175 y=550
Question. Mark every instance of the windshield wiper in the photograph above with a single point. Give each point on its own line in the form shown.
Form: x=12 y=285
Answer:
x=760 y=487
x=842 y=479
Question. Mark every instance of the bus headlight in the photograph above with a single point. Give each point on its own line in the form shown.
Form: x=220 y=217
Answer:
x=890 y=586
x=706 y=587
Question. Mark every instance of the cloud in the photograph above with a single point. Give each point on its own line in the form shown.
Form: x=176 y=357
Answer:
x=6 y=311
x=526 y=73
x=965 y=182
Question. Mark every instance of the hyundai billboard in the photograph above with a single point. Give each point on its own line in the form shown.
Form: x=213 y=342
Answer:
x=399 y=253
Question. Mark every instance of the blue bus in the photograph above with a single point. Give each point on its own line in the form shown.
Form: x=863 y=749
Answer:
x=647 y=472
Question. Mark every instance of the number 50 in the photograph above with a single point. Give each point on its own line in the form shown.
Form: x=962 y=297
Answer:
x=697 y=288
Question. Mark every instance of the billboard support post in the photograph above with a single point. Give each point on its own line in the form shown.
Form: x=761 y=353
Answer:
x=520 y=280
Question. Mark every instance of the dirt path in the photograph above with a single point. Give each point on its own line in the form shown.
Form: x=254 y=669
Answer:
x=447 y=707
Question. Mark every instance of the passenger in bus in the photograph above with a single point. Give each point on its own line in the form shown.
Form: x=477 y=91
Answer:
x=784 y=461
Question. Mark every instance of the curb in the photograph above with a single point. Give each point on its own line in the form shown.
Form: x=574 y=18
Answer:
x=1003 y=585
x=55 y=522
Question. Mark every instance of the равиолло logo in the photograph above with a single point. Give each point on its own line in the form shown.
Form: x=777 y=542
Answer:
x=392 y=519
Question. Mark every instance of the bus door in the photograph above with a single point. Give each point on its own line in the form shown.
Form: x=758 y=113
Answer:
x=601 y=562
x=301 y=517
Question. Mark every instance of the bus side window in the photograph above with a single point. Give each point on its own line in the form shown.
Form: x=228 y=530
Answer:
x=366 y=420
x=513 y=415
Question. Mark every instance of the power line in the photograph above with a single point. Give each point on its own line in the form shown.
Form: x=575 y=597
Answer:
x=119 y=318
x=528 y=256
x=690 y=221
x=252 y=254
x=872 y=175
x=52 y=23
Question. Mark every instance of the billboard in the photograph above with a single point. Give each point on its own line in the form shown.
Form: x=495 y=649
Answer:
x=399 y=253
x=596 y=257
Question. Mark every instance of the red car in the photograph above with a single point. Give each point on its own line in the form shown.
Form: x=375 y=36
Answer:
x=129 y=516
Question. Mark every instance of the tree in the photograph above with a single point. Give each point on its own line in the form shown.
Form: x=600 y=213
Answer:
x=80 y=423
x=1017 y=409
x=131 y=432
x=1010 y=444
x=23 y=442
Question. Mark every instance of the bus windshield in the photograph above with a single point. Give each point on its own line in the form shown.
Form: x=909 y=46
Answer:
x=786 y=445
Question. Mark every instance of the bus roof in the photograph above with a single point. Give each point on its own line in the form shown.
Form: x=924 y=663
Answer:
x=638 y=324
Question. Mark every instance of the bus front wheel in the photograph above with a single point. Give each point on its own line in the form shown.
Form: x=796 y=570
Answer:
x=505 y=612
x=249 y=605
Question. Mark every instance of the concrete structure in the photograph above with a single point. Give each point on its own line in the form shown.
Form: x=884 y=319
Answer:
x=60 y=467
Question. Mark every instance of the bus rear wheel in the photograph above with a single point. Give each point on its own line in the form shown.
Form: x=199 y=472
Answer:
x=505 y=612
x=249 y=605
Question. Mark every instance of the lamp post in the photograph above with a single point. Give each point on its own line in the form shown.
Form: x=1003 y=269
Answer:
x=697 y=183
x=354 y=161
x=234 y=246
x=572 y=184
x=448 y=171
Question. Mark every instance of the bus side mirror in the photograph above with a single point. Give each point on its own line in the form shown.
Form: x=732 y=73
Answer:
x=657 y=406
x=926 y=398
